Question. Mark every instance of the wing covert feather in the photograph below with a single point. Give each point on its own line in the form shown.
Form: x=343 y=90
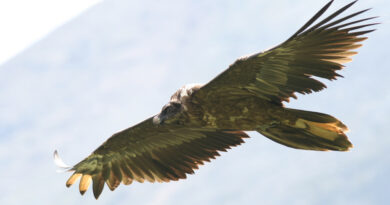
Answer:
x=275 y=75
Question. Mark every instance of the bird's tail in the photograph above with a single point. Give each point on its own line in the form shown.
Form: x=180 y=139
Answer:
x=310 y=131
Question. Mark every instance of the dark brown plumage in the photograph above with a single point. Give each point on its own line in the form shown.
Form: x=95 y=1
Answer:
x=201 y=120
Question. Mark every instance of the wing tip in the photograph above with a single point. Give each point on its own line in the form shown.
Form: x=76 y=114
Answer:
x=72 y=179
x=85 y=181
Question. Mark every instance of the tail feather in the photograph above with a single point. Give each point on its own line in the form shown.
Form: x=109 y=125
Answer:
x=311 y=131
x=318 y=117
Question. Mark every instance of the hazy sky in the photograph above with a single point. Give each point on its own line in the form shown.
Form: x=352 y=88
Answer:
x=23 y=22
x=118 y=62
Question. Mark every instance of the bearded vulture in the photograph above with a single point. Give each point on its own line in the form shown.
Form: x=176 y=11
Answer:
x=199 y=121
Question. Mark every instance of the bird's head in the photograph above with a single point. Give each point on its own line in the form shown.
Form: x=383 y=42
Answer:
x=178 y=104
x=168 y=113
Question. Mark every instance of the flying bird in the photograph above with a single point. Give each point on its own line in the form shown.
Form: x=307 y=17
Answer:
x=199 y=120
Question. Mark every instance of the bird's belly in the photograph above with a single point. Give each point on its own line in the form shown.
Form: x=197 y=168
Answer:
x=242 y=114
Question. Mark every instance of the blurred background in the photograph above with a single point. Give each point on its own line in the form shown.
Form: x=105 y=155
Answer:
x=72 y=73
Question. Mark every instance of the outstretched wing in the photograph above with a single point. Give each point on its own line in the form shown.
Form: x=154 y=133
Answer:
x=147 y=152
x=314 y=50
